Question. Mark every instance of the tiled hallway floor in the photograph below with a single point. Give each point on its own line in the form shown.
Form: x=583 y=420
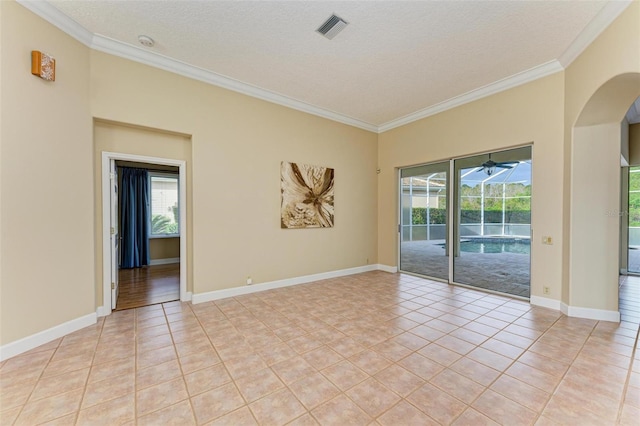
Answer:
x=373 y=348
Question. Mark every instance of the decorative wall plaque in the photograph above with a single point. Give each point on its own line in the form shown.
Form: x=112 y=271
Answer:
x=43 y=65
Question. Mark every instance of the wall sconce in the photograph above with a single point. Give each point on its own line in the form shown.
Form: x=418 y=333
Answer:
x=43 y=65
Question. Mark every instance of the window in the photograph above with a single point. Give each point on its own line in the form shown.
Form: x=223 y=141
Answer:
x=164 y=205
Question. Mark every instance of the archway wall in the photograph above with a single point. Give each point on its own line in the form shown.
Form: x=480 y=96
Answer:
x=595 y=200
x=600 y=85
x=616 y=51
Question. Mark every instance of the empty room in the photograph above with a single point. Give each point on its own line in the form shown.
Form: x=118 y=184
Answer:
x=392 y=213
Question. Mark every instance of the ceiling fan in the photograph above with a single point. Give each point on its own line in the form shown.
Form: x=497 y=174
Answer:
x=489 y=166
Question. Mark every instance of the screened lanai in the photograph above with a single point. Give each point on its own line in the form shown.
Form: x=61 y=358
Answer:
x=491 y=223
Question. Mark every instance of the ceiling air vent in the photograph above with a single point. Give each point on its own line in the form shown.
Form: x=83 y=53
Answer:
x=332 y=27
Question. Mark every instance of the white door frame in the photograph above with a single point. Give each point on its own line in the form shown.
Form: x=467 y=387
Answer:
x=105 y=309
x=114 y=232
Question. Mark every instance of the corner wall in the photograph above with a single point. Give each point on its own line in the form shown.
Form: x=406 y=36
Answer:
x=46 y=228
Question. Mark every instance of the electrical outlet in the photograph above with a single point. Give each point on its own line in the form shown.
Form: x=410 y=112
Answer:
x=249 y=281
x=546 y=290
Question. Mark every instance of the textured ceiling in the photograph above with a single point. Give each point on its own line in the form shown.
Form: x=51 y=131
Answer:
x=392 y=60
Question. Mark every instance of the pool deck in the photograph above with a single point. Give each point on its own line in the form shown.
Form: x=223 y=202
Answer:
x=634 y=260
x=502 y=272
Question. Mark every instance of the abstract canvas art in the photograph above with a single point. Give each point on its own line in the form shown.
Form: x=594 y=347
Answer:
x=307 y=196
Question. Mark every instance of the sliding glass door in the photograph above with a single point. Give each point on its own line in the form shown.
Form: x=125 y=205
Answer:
x=490 y=213
x=633 y=263
x=493 y=222
x=424 y=217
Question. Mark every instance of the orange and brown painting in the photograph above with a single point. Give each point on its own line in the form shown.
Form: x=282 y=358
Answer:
x=307 y=196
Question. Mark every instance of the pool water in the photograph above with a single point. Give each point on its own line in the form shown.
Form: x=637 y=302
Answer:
x=495 y=245
x=498 y=246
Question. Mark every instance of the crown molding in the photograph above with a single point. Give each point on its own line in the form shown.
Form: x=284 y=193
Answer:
x=52 y=15
x=602 y=20
x=594 y=28
x=127 y=51
x=107 y=45
x=518 y=79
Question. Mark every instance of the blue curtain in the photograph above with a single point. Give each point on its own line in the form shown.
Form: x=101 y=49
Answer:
x=134 y=217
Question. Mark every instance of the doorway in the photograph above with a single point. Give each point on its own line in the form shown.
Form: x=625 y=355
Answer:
x=473 y=229
x=148 y=233
x=158 y=274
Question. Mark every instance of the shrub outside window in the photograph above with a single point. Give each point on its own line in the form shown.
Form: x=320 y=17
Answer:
x=164 y=211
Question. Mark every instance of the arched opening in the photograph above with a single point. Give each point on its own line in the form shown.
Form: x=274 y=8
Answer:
x=596 y=209
x=629 y=283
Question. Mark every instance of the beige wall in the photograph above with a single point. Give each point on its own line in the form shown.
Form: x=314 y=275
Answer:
x=125 y=139
x=615 y=52
x=527 y=114
x=46 y=176
x=238 y=143
x=2 y=37
x=600 y=84
x=164 y=248
x=595 y=232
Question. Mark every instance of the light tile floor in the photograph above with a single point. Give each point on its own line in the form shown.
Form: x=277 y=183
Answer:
x=373 y=348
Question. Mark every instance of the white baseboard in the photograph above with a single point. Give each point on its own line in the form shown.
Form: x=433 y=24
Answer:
x=545 y=302
x=26 y=344
x=102 y=311
x=166 y=261
x=387 y=268
x=590 y=313
x=238 y=291
x=23 y=345
x=575 y=311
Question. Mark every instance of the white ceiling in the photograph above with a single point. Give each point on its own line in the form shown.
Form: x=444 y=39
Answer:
x=395 y=62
